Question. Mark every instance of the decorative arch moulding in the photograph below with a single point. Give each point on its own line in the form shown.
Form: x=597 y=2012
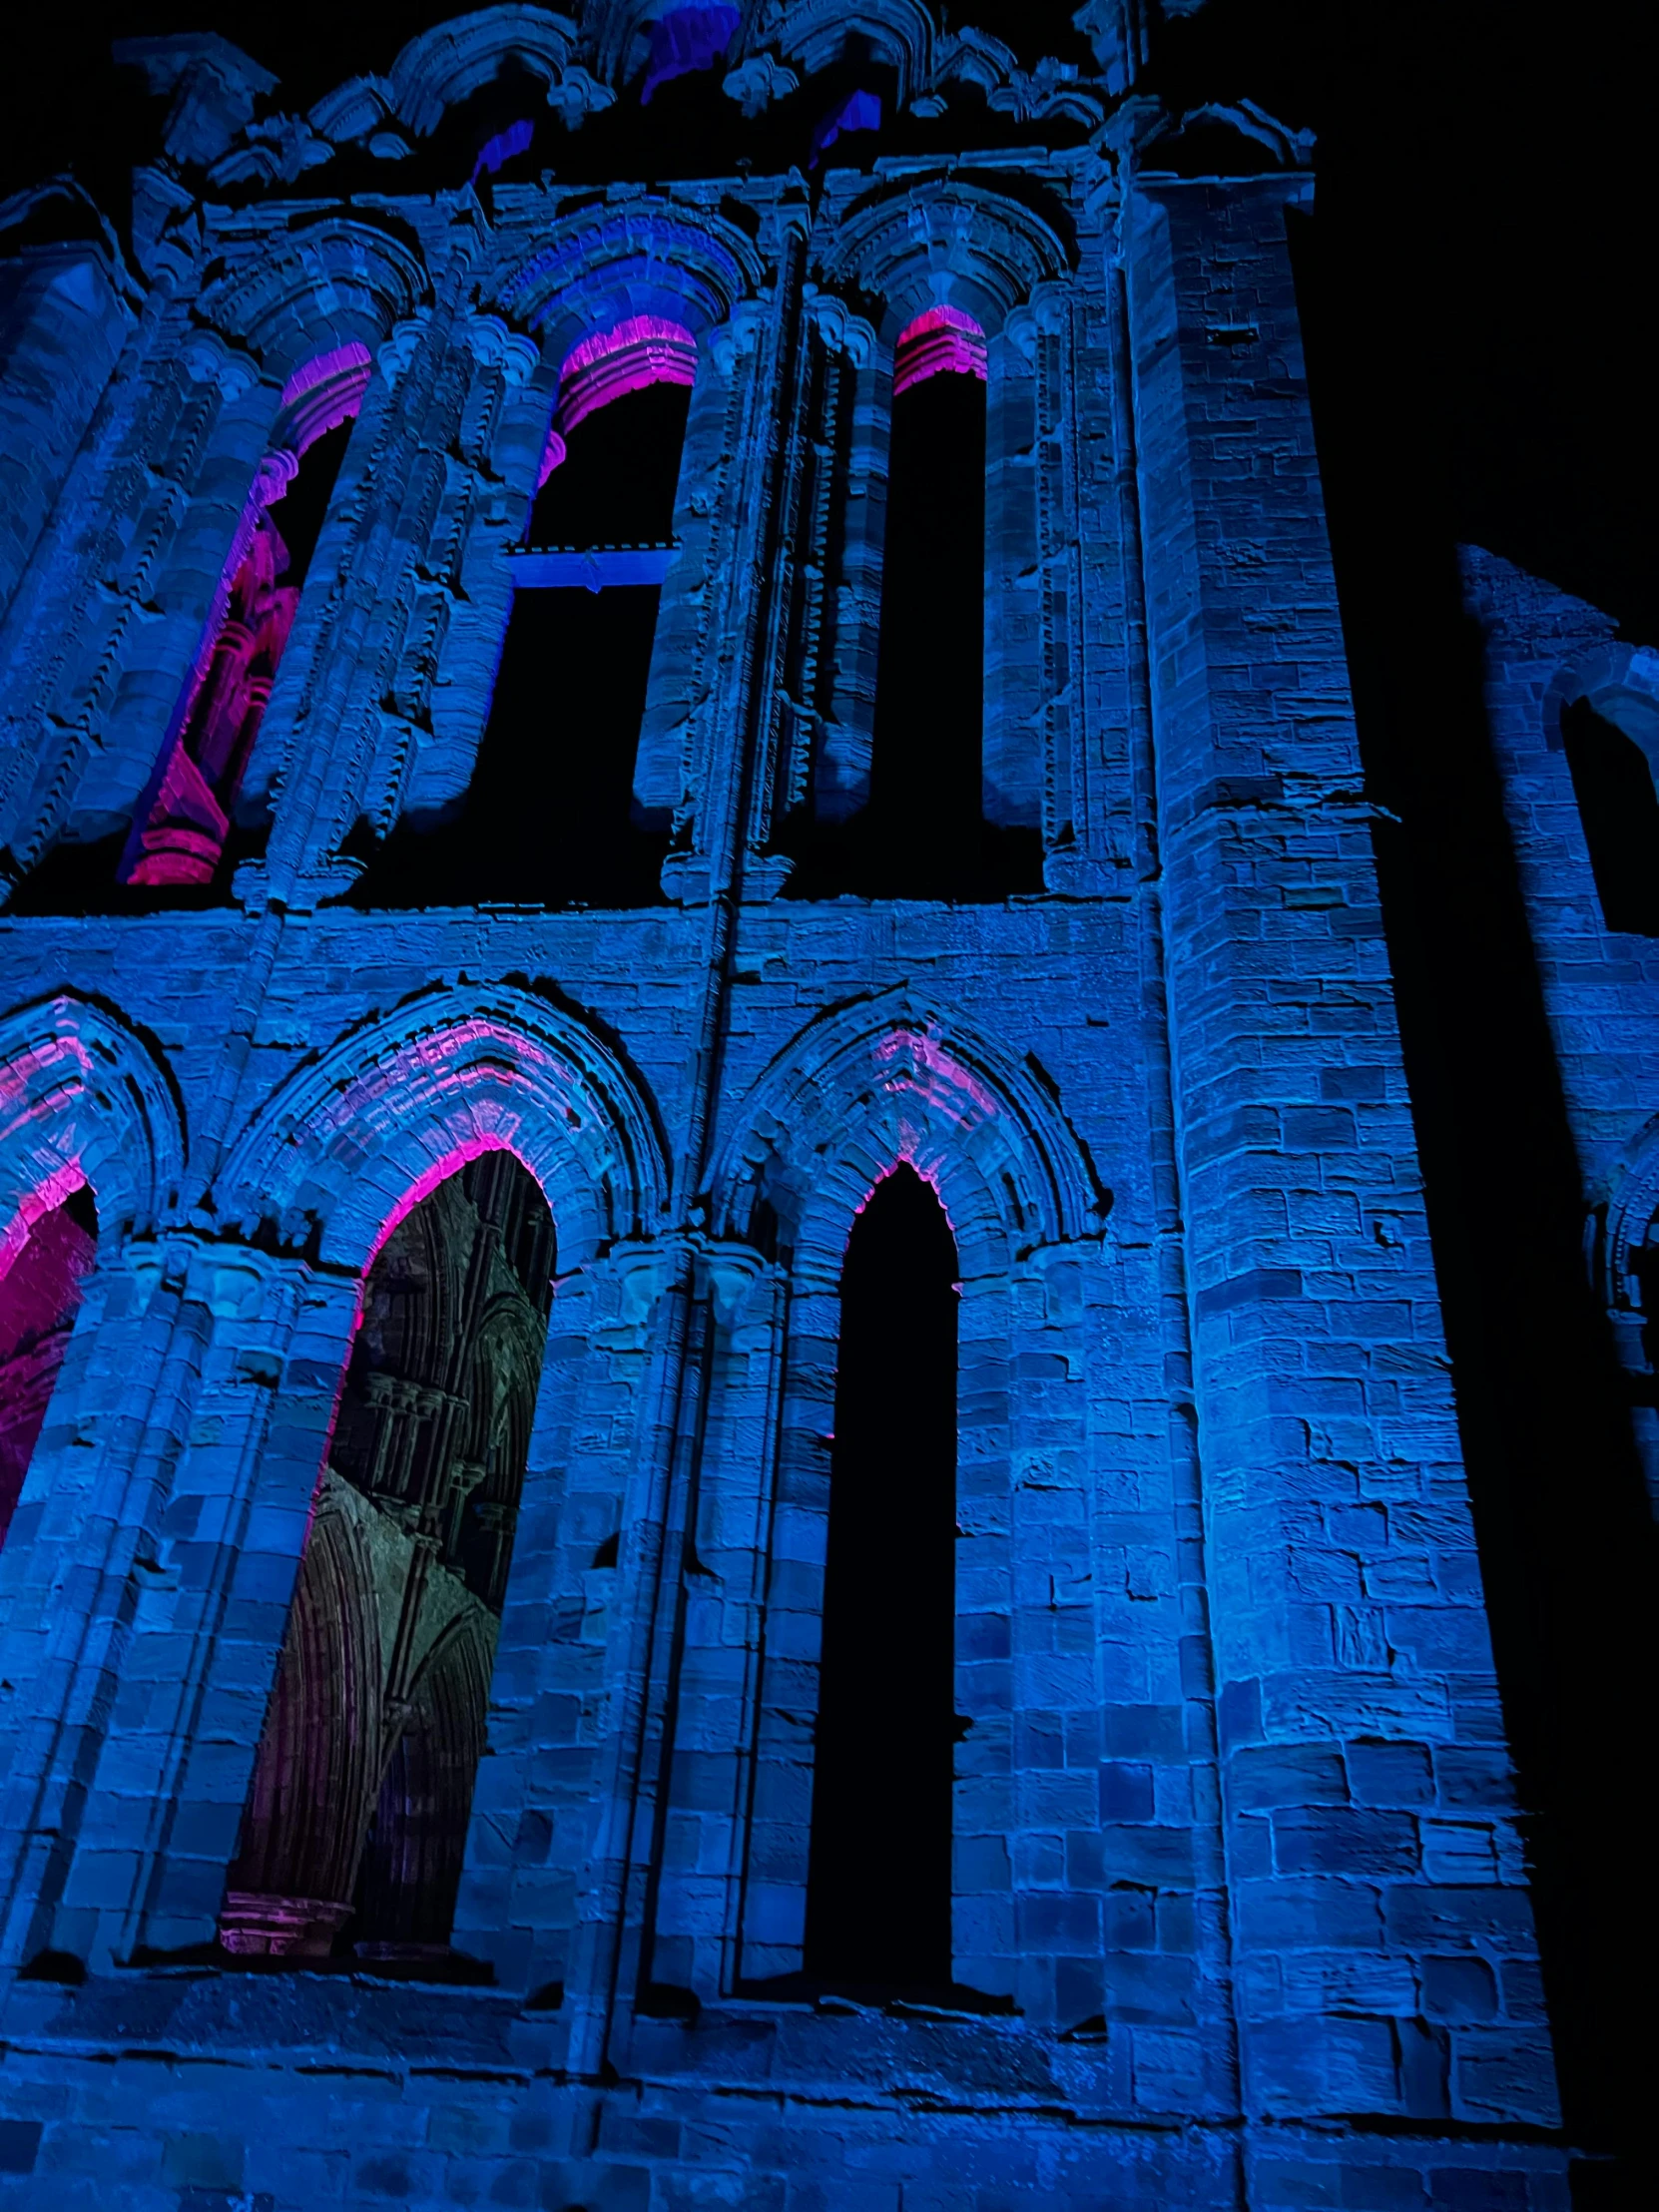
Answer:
x=84 y=1100
x=875 y=1084
x=351 y=1144
x=946 y=244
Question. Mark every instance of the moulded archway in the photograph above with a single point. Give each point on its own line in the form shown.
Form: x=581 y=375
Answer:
x=352 y=1143
x=88 y=1120
x=875 y=1086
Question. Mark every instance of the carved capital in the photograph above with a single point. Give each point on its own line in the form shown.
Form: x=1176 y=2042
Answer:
x=493 y=346
x=398 y=351
x=208 y=359
x=740 y=333
x=726 y=1275
x=839 y=330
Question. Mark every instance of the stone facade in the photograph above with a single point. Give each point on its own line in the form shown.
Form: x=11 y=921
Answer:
x=1238 y=1909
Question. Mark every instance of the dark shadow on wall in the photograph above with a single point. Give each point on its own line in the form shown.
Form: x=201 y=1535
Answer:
x=1566 y=1535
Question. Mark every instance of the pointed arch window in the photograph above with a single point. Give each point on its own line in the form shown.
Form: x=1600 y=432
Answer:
x=356 y=1824
x=44 y=1264
x=880 y=1880
x=181 y=824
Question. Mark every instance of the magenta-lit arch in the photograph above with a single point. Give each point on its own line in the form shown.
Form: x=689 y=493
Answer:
x=645 y=350
x=940 y=342
x=185 y=822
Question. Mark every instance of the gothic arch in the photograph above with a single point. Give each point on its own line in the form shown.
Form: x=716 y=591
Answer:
x=814 y=34
x=83 y=1100
x=648 y=257
x=945 y=244
x=1620 y=682
x=352 y=1143
x=451 y=62
x=323 y=282
x=890 y=1079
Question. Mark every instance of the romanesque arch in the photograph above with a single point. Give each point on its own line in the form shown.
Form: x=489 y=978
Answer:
x=944 y=244
x=326 y=280
x=598 y=269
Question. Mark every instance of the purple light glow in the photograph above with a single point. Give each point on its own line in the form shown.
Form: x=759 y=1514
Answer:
x=498 y=150
x=242 y=641
x=860 y=111
x=646 y=350
x=684 y=41
x=48 y=1194
x=942 y=341
x=318 y=397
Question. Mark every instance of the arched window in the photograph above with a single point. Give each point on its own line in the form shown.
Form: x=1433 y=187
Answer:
x=922 y=832
x=43 y=1265
x=355 y=1825
x=181 y=824
x=880 y=1880
x=549 y=818
x=1612 y=780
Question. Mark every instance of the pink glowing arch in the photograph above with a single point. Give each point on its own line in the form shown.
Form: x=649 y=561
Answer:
x=942 y=341
x=185 y=825
x=645 y=350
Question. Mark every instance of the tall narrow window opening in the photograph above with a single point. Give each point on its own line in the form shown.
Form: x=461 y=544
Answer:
x=921 y=833
x=878 y=1885
x=356 y=1820
x=550 y=817
x=43 y=1272
x=1612 y=779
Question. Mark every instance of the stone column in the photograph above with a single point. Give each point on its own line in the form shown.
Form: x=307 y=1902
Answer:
x=1386 y=1954
x=212 y=1606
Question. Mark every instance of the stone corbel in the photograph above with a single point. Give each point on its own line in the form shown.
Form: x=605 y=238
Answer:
x=398 y=351
x=1042 y=316
x=643 y=1270
x=740 y=333
x=759 y=81
x=578 y=95
x=493 y=346
x=209 y=357
x=726 y=1275
x=839 y=330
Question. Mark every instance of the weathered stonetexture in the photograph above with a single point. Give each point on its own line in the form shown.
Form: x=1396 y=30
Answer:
x=1232 y=1827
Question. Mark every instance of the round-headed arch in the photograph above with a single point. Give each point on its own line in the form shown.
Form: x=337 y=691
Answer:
x=645 y=260
x=950 y=244
x=887 y=1080
x=84 y=1100
x=351 y=1144
x=331 y=282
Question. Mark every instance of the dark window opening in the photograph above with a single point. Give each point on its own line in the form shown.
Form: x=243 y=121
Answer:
x=616 y=483
x=1619 y=809
x=355 y=1826
x=922 y=835
x=549 y=818
x=39 y=1295
x=878 y=1887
